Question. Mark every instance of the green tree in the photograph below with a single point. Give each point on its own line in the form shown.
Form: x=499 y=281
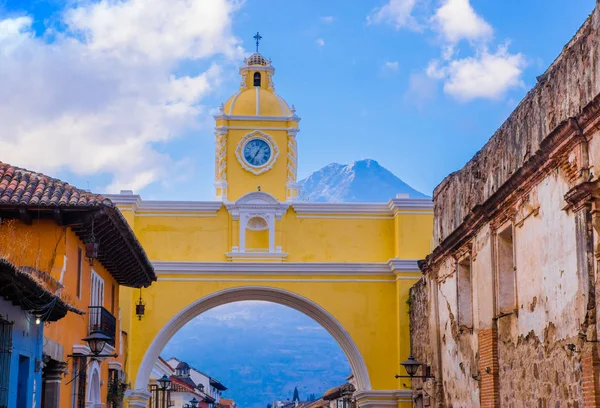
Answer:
x=296 y=395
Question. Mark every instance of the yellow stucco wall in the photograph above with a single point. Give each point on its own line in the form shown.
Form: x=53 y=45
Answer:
x=367 y=299
x=371 y=307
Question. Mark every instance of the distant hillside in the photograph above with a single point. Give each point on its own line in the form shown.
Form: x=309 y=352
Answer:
x=261 y=351
x=362 y=181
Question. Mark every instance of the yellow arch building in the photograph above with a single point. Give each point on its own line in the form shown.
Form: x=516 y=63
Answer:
x=347 y=265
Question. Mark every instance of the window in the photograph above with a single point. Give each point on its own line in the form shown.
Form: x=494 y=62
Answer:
x=257 y=79
x=96 y=301
x=505 y=264
x=79 y=270
x=465 y=293
x=97 y=290
x=5 y=356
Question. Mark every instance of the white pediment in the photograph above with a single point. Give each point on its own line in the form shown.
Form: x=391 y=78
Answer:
x=257 y=197
x=257 y=202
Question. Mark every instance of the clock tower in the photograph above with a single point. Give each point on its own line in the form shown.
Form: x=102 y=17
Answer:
x=256 y=137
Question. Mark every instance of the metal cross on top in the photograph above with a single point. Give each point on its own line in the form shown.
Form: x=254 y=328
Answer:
x=257 y=37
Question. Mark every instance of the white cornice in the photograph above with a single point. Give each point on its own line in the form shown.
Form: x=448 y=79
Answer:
x=256 y=256
x=390 y=208
x=138 y=205
x=392 y=267
x=292 y=118
x=306 y=209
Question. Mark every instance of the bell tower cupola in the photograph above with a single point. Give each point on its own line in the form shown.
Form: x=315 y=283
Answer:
x=256 y=137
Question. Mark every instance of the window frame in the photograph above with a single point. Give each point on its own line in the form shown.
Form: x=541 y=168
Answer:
x=499 y=238
x=465 y=264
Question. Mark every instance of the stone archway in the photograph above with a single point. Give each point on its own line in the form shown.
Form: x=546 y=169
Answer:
x=268 y=294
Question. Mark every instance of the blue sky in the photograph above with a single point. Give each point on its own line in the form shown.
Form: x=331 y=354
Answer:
x=119 y=94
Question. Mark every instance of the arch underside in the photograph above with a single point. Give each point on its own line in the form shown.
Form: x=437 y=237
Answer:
x=268 y=294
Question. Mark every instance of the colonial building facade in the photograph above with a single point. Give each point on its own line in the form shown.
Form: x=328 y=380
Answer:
x=349 y=266
x=76 y=250
x=506 y=312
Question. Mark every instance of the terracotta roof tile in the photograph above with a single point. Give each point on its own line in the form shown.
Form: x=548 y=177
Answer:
x=24 y=190
x=23 y=187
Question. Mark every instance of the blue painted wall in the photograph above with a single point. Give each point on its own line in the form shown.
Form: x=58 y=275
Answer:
x=27 y=338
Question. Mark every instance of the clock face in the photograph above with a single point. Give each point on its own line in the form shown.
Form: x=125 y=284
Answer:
x=257 y=152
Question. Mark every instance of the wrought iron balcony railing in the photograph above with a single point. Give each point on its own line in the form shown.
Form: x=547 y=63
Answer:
x=101 y=320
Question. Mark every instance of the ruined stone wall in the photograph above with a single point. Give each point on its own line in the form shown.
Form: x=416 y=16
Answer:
x=459 y=344
x=569 y=85
x=539 y=373
x=536 y=365
x=420 y=318
x=420 y=333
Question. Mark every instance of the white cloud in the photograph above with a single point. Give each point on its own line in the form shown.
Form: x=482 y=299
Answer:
x=391 y=66
x=320 y=42
x=327 y=19
x=395 y=12
x=155 y=29
x=486 y=75
x=102 y=96
x=457 y=20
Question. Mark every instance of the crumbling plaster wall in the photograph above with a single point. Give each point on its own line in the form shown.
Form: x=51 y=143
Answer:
x=567 y=86
x=423 y=331
x=535 y=364
x=459 y=359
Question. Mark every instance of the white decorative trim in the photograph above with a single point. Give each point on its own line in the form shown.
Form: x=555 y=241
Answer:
x=239 y=152
x=136 y=203
x=266 y=68
x=282 y=104
x=234 y=99
x=256 y=204
x=390 y=208
x=286 y=129
x=256 y=256
x=382 y=398
x=262 y=118
x=390 y=268
x=114 y=365
x=257 y=201
x=81 y=349
x=302 y=209
x=257 y=100
x=221 y=130
x=138 y=398
x=269 y=294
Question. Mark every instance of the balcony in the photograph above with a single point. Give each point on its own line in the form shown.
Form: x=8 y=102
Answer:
x=101 y=320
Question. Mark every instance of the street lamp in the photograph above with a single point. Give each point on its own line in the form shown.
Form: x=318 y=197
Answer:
x=412 y=366
x=165 y=383
x=96 y=342
x=194 y=403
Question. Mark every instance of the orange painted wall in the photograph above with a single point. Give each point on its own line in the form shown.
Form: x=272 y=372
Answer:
x=44 y=245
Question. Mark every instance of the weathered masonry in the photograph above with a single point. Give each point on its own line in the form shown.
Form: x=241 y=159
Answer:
x=505 y=313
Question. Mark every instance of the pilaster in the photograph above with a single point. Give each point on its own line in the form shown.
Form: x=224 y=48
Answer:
x=137 y=398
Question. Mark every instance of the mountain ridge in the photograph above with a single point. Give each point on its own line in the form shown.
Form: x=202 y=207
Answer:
x=361 y=181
